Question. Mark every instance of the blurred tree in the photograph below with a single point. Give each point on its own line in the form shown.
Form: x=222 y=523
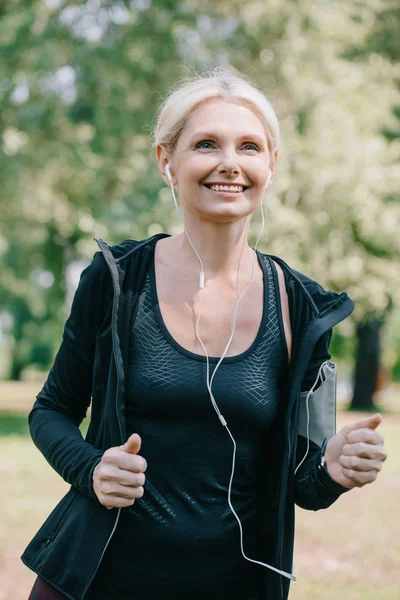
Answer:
x=80 y=85
x=383 y=39
x=368 y=364
x=337 y=213
x=77 y=90
x=343 y=177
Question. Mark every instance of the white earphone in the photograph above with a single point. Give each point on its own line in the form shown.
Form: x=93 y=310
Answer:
x=168 y=172
x=209 y=381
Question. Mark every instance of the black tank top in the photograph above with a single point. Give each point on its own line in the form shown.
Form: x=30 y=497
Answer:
x=182 y=535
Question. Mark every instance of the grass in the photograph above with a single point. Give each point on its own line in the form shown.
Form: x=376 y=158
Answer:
x=349 y=551
x=12 y=424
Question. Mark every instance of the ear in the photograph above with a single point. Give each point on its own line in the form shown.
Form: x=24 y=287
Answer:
x=272 y=166
x=163 y=158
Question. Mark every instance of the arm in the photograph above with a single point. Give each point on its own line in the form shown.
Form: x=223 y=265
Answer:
x=314 y=486
x=62 y=403
x=353 y=456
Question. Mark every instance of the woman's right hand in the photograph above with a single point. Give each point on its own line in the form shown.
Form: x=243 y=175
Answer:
x=118 y=479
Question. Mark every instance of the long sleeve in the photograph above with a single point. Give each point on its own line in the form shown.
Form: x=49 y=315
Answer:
x=62 y=403
x=314 y=487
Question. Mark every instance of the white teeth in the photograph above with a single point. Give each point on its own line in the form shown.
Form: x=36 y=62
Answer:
x=227 y=188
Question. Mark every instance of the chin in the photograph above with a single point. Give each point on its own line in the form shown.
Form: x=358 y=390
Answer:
x=223 y=216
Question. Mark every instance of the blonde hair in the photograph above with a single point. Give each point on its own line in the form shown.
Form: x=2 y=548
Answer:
x=191 y=92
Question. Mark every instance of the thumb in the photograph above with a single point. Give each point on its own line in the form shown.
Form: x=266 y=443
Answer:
x=132 y=445
x=371 y=422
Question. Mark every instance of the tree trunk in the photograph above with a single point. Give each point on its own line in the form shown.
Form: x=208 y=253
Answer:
x=16 y=367
x=21 y=315
x=367 y=364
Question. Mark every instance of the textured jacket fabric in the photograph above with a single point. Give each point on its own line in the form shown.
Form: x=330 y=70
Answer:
x=91 y=368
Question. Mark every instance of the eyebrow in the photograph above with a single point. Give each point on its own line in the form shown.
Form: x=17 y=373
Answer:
x=247 y=136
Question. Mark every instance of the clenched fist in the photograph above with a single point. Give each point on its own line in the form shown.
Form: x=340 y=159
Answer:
x=355 y=455
x=119 y=477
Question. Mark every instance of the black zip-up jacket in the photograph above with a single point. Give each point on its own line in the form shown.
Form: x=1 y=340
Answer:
x=91 y=366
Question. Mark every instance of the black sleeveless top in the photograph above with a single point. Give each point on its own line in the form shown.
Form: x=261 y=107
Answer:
x=182 y=536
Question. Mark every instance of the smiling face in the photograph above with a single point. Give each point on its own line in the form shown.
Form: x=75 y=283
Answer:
x=222 y=144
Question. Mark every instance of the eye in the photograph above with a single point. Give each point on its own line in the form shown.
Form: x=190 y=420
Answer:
x=209 y=144
x=252 y=146
x=202 y=144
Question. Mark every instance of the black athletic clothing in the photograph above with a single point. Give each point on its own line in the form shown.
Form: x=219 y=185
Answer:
x=41 y=590
x=91 y=368
x=182 y=535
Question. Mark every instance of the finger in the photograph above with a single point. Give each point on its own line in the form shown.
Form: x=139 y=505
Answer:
x=117 y=502
x=364 y=450
x=133 y=444
x=114 y=490
x=111 y=479
x=131 y=462
x=355 y=463
x=369 y=436
x=360 y=478
x=109 y=492
x=130 y=479
x=370 y=422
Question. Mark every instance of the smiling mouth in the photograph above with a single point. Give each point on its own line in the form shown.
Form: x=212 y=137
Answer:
x=230 y=190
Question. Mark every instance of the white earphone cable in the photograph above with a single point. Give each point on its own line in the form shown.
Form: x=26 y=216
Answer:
x=209 y=382
x=311 y=391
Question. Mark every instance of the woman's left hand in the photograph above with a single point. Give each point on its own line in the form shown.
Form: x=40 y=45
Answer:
x=355 y=455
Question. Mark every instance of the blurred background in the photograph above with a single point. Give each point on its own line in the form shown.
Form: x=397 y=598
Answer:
x=80 y=84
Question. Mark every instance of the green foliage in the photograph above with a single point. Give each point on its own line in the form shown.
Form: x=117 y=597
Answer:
x=80 y=85
x=396 y=370
x=41 y=355
x=12 y=424
x=342 y=346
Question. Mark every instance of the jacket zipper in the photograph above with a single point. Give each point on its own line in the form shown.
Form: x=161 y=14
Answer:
x=114 y=276
x=281 y=593
x=320 y=327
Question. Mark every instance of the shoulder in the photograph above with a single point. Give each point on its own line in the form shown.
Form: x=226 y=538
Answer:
x=125 y=249
x=97 y=274
x=322 y=298
x=95 y=287
x=303 y=288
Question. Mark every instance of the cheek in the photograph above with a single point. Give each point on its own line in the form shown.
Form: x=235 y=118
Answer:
x=257 y=171
x=263 y=168
x=193 y=170
x=201 y=165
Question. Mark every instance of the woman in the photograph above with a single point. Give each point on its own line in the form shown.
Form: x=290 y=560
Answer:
x=177 y=491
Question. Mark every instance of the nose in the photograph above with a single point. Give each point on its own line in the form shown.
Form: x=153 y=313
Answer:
x=229 y=162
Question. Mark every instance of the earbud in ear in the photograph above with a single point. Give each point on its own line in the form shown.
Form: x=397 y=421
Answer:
x=168 y=172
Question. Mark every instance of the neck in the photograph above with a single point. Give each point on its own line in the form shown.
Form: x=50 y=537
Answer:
x=221 y=246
